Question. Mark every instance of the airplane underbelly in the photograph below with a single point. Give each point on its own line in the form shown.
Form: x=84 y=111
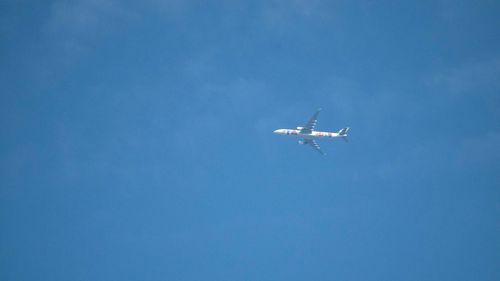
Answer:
x=308 y=136
x=316 y=135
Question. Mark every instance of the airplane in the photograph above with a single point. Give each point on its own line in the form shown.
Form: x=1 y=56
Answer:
x=308 y=134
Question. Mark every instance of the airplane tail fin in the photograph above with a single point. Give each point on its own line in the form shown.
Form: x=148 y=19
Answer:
x=343 y=133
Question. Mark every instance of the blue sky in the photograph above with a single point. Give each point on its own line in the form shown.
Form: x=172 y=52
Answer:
x=137 y=140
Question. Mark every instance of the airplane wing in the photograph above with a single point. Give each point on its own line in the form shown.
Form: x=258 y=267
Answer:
x=311 y=124
x=314 y=145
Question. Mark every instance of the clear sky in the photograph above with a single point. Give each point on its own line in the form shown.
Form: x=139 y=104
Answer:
x=136 y=140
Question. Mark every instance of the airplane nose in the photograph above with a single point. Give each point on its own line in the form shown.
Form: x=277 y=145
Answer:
x=279 y=131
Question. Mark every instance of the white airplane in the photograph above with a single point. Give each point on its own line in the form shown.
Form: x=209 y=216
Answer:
x=308 y=134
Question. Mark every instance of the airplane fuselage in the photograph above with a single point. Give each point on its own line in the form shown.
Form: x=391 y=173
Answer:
x=308 y=135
